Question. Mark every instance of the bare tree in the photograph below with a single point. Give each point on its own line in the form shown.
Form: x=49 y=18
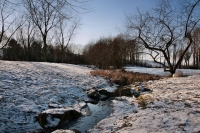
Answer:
x=7 y=21
x=196 y=47
x=46 y=14
x=111 y=52
x=65 y=33
x=26 y=36
x=186 y=57
x=164 y=27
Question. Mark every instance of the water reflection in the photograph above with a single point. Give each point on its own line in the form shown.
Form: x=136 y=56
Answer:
x=97 y=112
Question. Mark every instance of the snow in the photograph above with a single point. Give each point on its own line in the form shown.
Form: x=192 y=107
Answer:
x=57 y=111
x=175 y=107
x=28 y=88
x=63 y=131
x=160 y=71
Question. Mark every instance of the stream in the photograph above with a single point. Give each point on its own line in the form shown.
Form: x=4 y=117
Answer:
x=95 y=113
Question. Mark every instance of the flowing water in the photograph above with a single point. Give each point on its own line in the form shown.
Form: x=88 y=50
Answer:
x=96 y=112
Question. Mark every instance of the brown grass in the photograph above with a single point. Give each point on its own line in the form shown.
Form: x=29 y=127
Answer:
x=144 y=100
x=122 y=77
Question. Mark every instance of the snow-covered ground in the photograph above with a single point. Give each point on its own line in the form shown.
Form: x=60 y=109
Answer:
x=160 y=71
x=28 y=88
x=172 y=107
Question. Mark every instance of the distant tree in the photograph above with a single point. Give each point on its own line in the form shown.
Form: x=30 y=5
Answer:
x=13 y=51
x=133 y=51
x=46 y=14
x=111 y=52
x=196 y=47
x=88 y=53
x=187 y=57
x=165 y=26
x=26 y=36
x=118 y=52
x=7 y=21
x=57 y=54
x=36 y=51
x=76 y=48
x=65 y=33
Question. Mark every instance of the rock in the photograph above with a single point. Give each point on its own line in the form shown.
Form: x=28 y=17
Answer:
x=140 y=89
x=178 y=73
x=76 y=131
x=105 y=94
x=56 y=117
x=93 y=93
x=135 y=93
x=123 y=92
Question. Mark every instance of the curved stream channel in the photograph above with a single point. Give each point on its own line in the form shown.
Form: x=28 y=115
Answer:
x=95 y=113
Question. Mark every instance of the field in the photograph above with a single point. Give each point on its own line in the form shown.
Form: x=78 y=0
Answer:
x=28 y=88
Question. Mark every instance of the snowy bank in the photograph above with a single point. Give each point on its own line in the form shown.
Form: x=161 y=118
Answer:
x=160 y=71
x=28 y=88
x=174 y=107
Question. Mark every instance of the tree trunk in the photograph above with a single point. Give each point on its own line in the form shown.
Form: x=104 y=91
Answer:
x=62 y=53
x=45 y=48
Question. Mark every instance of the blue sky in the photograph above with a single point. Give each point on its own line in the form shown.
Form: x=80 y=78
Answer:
x=107 y=18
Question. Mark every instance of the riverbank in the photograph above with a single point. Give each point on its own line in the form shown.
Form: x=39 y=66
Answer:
x=28 y=89
x=172 y=106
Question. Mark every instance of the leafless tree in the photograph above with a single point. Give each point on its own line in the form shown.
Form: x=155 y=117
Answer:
x=76 y=48
x=111 y=52
x=46 y=14
x=64 y=34
x=26 y=36
x=196 y=47
x=7 y=21
x=133 y=50
x=164 y=27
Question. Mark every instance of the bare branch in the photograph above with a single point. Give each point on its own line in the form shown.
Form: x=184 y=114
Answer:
x=158 y=31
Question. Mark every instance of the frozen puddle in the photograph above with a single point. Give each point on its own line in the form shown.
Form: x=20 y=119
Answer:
x=96 y=112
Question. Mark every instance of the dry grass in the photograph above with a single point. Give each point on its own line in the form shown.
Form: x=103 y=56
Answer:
x=122 y=77
x=144 y=100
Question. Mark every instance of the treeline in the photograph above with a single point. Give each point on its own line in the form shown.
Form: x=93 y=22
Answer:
x=113 y=52
x=105 y=53
x=17 y=52
x=53 y=23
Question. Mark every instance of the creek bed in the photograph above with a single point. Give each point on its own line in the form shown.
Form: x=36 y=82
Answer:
x=96 y=112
